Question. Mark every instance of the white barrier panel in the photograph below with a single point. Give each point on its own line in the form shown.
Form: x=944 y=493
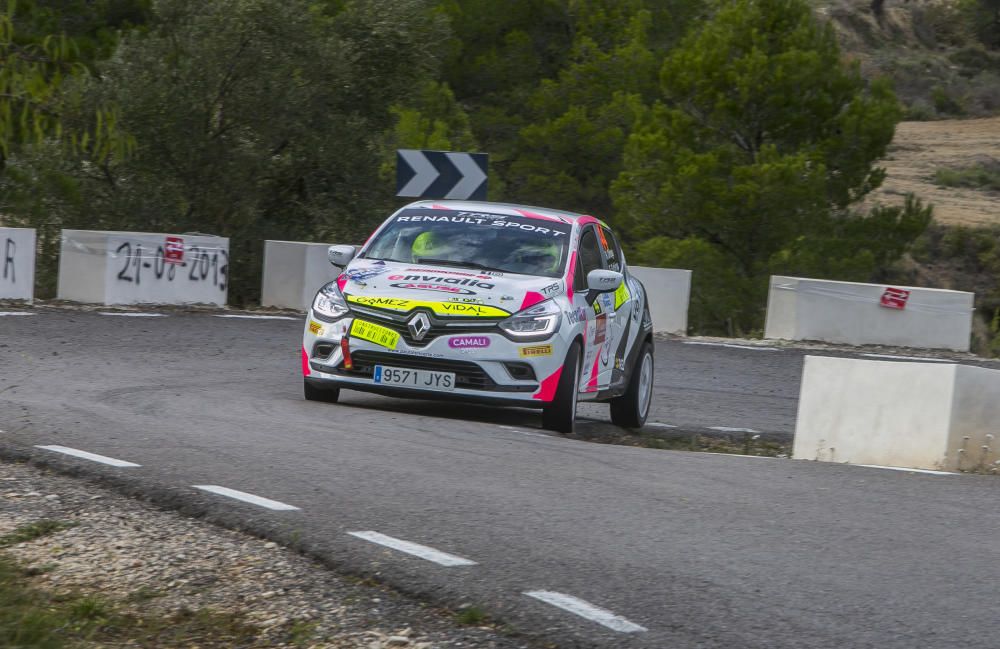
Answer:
x=17 y=264
x=293 y=272
x=915 y=415
x=669 y=291
x=143 y=268
x=868 y=314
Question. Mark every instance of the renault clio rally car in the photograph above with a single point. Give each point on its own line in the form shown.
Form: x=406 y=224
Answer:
x=490 y=302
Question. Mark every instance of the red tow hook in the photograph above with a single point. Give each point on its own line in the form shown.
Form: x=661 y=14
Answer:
x=345 y=348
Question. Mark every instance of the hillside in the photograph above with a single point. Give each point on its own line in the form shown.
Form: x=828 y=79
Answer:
x=949 y=85
x=922 y=148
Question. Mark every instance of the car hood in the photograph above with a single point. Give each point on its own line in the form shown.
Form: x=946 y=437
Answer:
x=443 y=289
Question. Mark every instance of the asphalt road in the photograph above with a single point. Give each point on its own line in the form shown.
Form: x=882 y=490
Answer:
x=698 y=550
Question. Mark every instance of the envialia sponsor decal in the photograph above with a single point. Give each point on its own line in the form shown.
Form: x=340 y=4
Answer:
x=466 y=342
x=437 y=279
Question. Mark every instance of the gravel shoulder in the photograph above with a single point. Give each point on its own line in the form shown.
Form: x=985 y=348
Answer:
x=150 y=560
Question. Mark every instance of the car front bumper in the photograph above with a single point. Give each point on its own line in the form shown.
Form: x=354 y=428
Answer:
x=501 y=371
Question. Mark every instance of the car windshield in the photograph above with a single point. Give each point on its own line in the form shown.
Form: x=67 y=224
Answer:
x=491 y=242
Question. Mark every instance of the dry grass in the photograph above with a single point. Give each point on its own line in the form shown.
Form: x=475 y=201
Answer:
x=922 y=148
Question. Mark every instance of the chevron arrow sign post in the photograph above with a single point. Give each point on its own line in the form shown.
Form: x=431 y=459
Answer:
x=441 y=174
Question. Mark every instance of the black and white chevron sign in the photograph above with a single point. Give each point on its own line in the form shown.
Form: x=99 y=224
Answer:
x=441 y=174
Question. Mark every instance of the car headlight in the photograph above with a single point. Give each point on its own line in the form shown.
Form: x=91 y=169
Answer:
x=534 y=323
x=329 y=303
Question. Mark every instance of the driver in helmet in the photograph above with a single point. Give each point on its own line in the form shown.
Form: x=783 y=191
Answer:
x=537 y=256
x=428 y=245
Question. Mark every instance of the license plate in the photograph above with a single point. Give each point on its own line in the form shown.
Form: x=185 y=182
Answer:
x=425 y=379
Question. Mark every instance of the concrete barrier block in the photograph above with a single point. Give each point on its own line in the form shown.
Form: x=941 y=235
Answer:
x=293 y=272
x=853 y=313
x=915 y=415
x=17 y=264
x=143 y=268
x=669 y=291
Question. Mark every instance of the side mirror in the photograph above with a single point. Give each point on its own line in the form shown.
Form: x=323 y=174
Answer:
x=602 y=281
x=341 y=255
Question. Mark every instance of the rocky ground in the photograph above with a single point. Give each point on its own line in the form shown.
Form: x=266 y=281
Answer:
x=149 y=560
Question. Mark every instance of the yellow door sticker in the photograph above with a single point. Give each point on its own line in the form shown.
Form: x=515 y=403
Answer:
x=377 y=334
x=536 y=350
x=621 y=295
x=438 y=308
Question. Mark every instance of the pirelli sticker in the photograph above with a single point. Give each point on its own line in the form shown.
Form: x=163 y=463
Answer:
x=374 y=333
x=438 y=308
x=315 y=328
x=536 y=350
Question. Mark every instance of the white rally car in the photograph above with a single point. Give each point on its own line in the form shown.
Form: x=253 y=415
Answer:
x=489 y=302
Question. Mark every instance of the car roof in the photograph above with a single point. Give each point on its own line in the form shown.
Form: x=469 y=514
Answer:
x=502 y=208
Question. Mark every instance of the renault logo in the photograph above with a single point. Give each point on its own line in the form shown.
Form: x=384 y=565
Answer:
x=419 y=325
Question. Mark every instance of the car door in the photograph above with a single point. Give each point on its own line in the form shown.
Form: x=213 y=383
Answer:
x=622 y=323
x=591 y=257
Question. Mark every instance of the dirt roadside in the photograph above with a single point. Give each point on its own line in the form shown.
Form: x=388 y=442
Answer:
x=147 y=559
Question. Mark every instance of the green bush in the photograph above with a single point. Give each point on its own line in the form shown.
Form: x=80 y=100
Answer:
x=977 y=177
x=944 y=103
x=723 y=300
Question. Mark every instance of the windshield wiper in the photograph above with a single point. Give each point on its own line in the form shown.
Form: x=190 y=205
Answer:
x=398 y=261
x=460 y=264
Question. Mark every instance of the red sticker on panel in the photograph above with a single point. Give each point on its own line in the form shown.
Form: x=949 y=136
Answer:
x=173 y=250
x=894 y=298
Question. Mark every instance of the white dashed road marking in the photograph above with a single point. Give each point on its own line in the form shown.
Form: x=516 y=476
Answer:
x=757 y=348
x=134 y=315
x=657 y=424
x=903 y=468
x=728 y=429
x=2 y=313
x=417 y=550
x=259 y=317
x=245 y=497
x=523 y=432
x=93 y=457
x=587 y=610
x=911 y=358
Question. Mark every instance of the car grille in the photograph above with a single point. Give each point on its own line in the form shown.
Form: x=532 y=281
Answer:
x=468 y=375
x=439 y=326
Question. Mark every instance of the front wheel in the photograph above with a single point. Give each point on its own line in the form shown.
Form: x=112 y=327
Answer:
x=631 y=409
x=316 y=393
x=560 y=415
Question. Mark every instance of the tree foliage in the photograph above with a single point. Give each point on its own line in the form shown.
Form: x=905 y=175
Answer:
x=726 y=136
x=761 y=142
x=254 y=119
x=44 y=47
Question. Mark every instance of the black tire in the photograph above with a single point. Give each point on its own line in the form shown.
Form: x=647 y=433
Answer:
x=560 y=415
x=316 y=393
x=631 y=409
